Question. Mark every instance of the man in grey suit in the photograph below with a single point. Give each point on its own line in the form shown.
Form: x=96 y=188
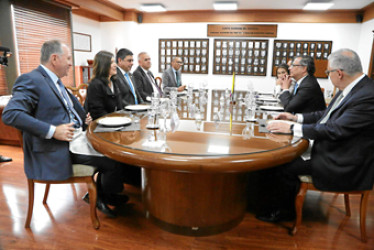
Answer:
x=144 y=78
x=52 y=121
x=172 y=76
x=125 y=80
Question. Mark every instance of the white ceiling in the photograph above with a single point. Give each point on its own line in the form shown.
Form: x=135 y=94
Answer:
x=242 y=4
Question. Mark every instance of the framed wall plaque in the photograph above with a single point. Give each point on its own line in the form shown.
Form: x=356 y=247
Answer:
x=284 y=50
x=244 y=57
x=194 y=54
x=82 y=42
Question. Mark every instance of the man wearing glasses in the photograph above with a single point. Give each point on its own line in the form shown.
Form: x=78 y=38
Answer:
x=306 y=95
x=172 y=76
x=342 y=138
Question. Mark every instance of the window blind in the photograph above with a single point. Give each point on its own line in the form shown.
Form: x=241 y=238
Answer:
x=35 y=23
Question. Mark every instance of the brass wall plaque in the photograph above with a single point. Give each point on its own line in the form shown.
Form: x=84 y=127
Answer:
x=242 y=30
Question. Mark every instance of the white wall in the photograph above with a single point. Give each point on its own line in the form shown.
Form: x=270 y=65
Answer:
x=90 y=27
x=144 y=37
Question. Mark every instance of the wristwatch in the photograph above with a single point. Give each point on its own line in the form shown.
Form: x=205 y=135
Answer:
x=291 y=128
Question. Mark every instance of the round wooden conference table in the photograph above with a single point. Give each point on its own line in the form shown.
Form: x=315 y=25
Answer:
x=194 y=183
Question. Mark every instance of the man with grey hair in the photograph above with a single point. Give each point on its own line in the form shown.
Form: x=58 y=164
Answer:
x=342 y=156
x=53 y=124
x=306 y=95
x=144 y=79
x=172 y=76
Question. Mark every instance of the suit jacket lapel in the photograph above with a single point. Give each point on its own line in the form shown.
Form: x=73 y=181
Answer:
x=51 y=84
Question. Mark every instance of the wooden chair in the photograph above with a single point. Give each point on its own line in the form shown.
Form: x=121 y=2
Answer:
x=81 y=174
x=159 y=81
x=307 y=184
x=79 y=92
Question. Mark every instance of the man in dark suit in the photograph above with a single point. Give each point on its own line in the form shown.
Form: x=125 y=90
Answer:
x=144 y=78
x=306 y=95
x=52 y=120
x=125 y=80
x=341 y=156
x=172 y=76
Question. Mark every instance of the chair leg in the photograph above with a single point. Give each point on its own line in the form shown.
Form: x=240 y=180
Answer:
x=30 y=183
x=92 y=191
x=299 y=206
x=347 y=206
x=363 y=206
x=46 y=192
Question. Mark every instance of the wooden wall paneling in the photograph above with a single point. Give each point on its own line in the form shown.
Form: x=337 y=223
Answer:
x=194 y=54
x=368 y=12
x=245 y=57
x=284 y=50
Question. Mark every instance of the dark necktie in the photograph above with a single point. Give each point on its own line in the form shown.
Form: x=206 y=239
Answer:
x=154 y=83
x=295 y=88
x=333 y=107
x=177 y=77
x=74 y=117
x=132 y=89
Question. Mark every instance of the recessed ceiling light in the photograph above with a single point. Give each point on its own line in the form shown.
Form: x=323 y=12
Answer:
x=153 y=7
x=225 y=5
x=318 y=5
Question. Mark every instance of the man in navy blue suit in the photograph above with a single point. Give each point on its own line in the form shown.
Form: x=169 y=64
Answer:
x=52 y=121
x=342 y=138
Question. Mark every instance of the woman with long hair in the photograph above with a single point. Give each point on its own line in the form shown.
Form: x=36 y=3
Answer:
x=103 y=96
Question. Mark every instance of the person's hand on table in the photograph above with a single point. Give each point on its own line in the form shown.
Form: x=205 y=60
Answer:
x=279 y=127
x=286 y=116
x=64 y=132
x=88 y=119
x=181 y=88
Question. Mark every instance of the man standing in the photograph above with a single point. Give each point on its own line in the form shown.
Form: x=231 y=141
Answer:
x=144 y=78
x=306 y=95
x=52 y=121
x=126 y=83
x=341 y=156
x=172 y=76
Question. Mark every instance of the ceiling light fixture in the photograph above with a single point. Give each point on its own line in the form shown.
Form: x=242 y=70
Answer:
x=225 y=5
x=318 y=5
x=152 y=7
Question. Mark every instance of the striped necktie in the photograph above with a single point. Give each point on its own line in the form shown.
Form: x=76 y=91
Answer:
x=74 y=117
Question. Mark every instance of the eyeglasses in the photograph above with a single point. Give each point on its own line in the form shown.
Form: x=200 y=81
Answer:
x=327 y=72
x=295 y=65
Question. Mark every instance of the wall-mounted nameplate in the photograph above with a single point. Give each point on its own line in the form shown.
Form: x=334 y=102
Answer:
x=242 y=30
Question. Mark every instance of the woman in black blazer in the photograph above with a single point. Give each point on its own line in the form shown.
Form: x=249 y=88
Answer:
x=103 y=95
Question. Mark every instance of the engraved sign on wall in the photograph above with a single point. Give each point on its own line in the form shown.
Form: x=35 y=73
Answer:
x=194 y=54
x=284 y=50
x=245 y=57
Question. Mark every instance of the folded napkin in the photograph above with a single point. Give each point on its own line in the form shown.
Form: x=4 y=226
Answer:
x=132 y=127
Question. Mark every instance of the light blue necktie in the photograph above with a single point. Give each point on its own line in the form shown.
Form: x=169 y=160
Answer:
x=74 y=117
x=295 y=88
x=132 y=89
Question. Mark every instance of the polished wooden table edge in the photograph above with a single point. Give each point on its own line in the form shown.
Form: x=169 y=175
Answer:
x=197 y=164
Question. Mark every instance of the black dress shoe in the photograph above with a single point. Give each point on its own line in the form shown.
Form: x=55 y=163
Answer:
x=116 y=199
x=4 y=158
x=105 y=209
x=276 y=216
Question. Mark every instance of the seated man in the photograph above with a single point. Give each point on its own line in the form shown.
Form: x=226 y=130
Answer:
x=52 y=121
x=306 y=95
x=172 y=76
x=342 y=138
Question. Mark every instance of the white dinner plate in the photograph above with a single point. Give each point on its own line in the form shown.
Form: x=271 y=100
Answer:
x=272 y=108
x=267 y=99
x=139 y=107
x=114 y=121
